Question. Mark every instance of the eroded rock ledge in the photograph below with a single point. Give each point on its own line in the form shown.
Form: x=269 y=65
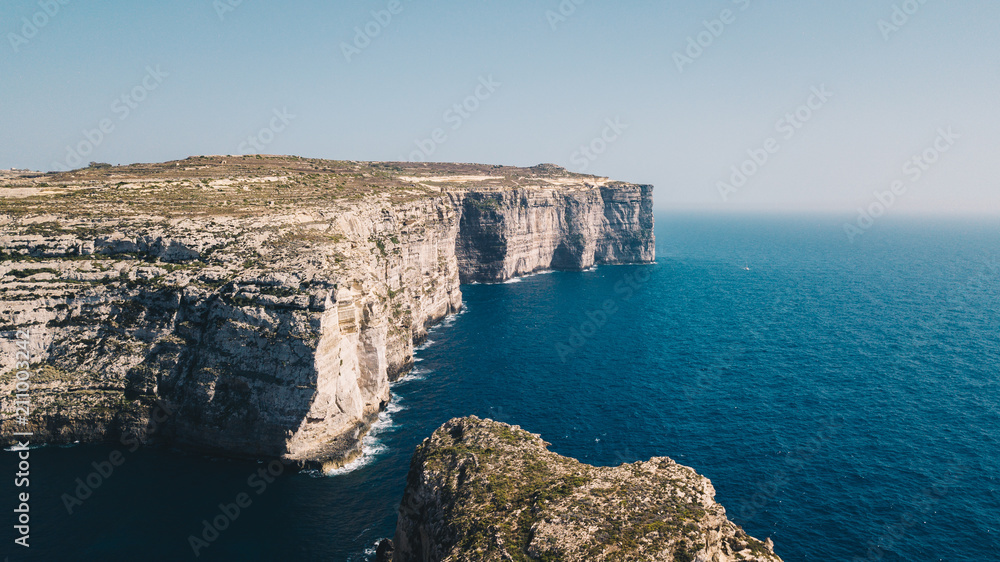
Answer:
x=262 y=305
x=480 y=490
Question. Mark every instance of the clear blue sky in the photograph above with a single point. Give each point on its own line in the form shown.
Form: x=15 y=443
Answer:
x=219 y=79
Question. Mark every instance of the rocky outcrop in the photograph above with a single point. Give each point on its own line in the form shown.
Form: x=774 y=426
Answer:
x=266 y=303
x=480 y=490
x=514 y=232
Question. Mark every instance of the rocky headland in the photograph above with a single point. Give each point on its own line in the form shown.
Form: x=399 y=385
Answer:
x=260 y=306
x=482 y=491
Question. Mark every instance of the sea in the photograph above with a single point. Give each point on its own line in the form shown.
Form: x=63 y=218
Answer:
x=842 y=396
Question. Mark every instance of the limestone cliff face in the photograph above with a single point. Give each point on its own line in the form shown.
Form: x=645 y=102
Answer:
x=514 y=232
x=265 y=306
x=483 y=491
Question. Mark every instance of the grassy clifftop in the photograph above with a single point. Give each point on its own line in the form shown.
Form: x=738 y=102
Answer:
x=244 y=185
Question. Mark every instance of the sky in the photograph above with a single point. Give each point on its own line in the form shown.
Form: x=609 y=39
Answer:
x=723 y=105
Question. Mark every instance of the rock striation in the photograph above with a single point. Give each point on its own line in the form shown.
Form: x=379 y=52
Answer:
x=262 y=305
x=480 y=490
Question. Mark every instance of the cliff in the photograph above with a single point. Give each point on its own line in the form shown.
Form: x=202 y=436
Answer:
x=480 y=490
x=260 y=306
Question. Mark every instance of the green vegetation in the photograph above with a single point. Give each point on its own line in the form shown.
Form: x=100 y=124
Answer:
x=488 y=204
x=240 y=186
x=23 y=273
x=498 y=485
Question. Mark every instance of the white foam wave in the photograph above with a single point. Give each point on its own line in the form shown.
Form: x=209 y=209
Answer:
x=521 y=278
x=30 y=447
x=417 y=374
x=364 y=460
x=368 y=554
x=371 y=446
x=535 y=273
x=448 y=320
x=394 y=406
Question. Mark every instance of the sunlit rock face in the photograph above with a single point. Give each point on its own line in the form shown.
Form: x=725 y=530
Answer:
x=480 y=490
x=260 y=306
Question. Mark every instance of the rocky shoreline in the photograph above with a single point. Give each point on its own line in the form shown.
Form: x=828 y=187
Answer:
x=480 y=490
x=267 y=302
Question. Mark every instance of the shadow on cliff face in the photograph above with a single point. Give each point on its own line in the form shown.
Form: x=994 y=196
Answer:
x=482 y=239
x=244 y=382
x=506 y=234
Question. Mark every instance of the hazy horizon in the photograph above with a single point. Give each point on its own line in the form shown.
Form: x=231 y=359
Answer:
x=729 y=106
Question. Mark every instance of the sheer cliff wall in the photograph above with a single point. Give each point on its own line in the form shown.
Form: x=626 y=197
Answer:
x=269 y=318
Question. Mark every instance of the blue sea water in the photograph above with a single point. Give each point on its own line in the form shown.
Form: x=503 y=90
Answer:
x=843 y=398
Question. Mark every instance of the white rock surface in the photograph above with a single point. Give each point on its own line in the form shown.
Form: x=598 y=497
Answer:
x=270 y=330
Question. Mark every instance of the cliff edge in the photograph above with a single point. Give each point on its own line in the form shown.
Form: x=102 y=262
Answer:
x=261 y=305
x=479 y=490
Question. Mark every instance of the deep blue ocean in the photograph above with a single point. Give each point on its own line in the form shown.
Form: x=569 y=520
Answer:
x=843 y=398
